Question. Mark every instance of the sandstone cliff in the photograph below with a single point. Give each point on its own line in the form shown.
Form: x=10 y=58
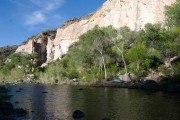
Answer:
x=132 y=13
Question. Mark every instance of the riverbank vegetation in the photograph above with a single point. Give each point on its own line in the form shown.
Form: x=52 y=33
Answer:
x=16 y=66
x=104 y=53
x=5 y=52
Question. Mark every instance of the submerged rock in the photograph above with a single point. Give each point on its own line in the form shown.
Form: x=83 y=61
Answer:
x=18 y=91
x=44 y=92
x=78 y=114
x=20 y=112
x=21 y=89
x=17 y=102
x=106 y=118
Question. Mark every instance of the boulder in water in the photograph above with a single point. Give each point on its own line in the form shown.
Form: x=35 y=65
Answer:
x=106 y=118
x=117 y=80
x=45 y=92
x=18 y=91
x=21 y=89
x=20 y=112
x=78 y=114
x=151 y=84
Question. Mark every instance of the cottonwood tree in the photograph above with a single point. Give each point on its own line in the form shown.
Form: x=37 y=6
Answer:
x=124 y=39
x=95 y=46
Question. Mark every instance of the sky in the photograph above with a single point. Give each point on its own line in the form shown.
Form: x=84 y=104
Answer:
x=20 y=19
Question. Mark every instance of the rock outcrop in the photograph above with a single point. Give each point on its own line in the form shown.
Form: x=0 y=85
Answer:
x=38 y=44
x=132 y=13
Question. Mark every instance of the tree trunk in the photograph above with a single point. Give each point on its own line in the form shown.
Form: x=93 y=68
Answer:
x=122 y=55
x=103 y=62
x=105 y=73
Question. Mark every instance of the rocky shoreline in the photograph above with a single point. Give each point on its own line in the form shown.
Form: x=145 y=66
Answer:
x=143 y=85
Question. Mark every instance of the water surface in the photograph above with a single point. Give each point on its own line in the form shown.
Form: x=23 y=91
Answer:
x=118 y=104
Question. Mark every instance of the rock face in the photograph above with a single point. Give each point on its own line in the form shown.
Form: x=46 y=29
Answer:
x=118 y=13
x=38 y=44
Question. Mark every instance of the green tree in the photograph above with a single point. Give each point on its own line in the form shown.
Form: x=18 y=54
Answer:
x=172 y=13
x=139 y=59
x=153 y=35
x=97 y=43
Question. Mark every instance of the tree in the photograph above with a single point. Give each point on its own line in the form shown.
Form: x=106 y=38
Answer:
x=153 y=35
x=173 y=14
x=125 y=37
x=139 y=59
x=98 y=44
x=90 y=56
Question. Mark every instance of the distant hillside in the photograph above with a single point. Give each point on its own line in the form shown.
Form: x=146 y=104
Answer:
x=6 y=51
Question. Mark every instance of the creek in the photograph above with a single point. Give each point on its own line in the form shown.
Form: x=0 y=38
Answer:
x=54 y=102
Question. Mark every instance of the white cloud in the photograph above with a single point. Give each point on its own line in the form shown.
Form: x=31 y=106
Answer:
x=48 y=5
x=45 y=12
x=35 y=18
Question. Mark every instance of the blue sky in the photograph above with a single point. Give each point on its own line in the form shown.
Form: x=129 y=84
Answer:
x=20 y=19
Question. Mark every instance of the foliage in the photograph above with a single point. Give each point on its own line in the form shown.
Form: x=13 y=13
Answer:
x=141 y=59
x=14 y=74
x=93 y=51
x=6 y=51
x=173 y=14
x=153 y=36
x=18 y=59
x=127 y=35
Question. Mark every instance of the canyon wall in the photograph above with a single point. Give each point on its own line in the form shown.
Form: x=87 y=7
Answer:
x=118 y=13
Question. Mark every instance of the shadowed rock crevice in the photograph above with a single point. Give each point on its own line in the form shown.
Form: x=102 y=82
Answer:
x=41 y=50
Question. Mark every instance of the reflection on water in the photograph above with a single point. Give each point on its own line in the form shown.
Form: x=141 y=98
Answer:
x=118 y=104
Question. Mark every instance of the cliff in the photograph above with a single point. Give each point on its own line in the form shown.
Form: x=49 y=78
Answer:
x=132 y=13
x=38 y=44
